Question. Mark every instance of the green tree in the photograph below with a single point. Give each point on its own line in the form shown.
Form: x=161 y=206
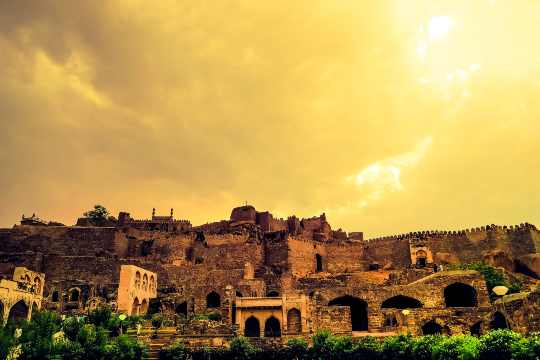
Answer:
x=125 y=348
x=423 y=346
x=98 y=215
x=398 y=348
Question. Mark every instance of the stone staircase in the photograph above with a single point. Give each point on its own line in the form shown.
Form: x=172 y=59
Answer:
x=155 y=342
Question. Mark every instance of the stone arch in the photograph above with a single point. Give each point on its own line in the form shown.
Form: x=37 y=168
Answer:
x=135 y=307
x=294 y=321
x=476 y=329
x=359 y=311
x=499 y=321
x=213 y=300
x=145 y=282
x=37 y=285
x=238 y=294
x=27 y=279
x=55 y=296
x=152 y=283
x=318 y=263
x=401 y=302
x=421 y=258
x=272 y=293
x=18 y=312
x=74 y=294
x=432 y=328
x=144 y=307
x=272 y=327
x=252 y=328
x=181 y=309
x=460 y=295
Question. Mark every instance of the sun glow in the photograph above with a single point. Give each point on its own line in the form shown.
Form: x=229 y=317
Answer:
x=439 y=27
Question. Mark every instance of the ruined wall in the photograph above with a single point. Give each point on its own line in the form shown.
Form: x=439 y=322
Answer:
x=301 y=254
x=344 y=257
x=388 y=252
x=337 y=319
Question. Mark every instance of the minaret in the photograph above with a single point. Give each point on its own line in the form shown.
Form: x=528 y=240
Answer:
x=172 y=212
x=153 y=212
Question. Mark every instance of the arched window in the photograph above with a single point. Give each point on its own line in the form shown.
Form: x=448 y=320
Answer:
x=294 y=321
x=460 y=295
x=152 y=283
x=181 y=309
x=238 y=293
x=359 y=311
x=319 y=264
x=272 y=328
x=27 y=279
x=252 y=327
x=137 y=280
x=431 y=328
x=74 y=295
x=499 y=321
x=55 y=296
x=18 y=312
x=145 y=282
x=401 y=302
x=272 y=293
x=213 y=300
x=135 y=307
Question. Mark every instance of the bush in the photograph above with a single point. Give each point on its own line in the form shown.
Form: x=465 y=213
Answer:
x=497 y=344
x=296 y=349
x=215 y=316
x=460 y=347
x=241 y=349
x=367 y=347
x=125 y=348
x=101 y=316
x=398 y=348
x=6 y=341
x=423 y=346
x=71 y=327
x=527 y=348
x=89 y=343
x=175 y=351
x=36 y=339
x=157 y=320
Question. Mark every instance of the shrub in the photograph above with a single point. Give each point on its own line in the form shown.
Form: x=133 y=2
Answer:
x=423 y=346
x=6 y=341
x=125 y=348
x=398 y=347
x=241 y=349
x=214 y=315
x=157 y=320
x=100 y=316
x=36 y=339
x=367 y=347
x=497 y=344
x=460 y=347
x=296 y=349
x=71 y=327
x=322 y=345
x=527 y=348
x=175 y=351
x=89 y=343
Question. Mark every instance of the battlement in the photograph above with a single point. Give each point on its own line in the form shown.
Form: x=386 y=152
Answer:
x=445 y=233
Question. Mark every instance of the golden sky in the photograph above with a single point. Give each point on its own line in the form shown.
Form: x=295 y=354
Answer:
x=390 y=116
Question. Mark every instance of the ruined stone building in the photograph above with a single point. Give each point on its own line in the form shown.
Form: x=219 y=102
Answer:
x=272 y=277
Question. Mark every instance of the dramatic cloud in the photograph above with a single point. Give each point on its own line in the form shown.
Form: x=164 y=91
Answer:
x=202 y=105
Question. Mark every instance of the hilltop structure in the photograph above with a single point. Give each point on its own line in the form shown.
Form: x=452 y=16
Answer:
x=277 y=278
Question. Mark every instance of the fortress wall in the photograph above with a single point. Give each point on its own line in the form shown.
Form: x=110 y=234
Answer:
x=301 y=253
x=344 y=257
x=276 y=253
x=388 y=251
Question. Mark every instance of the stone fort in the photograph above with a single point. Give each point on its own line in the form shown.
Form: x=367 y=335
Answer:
x=276 y=278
